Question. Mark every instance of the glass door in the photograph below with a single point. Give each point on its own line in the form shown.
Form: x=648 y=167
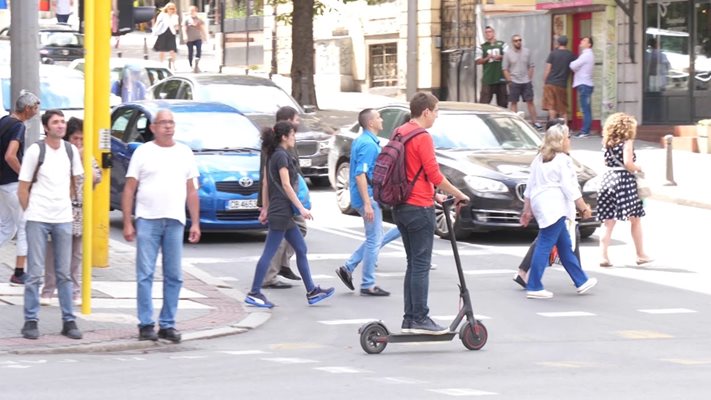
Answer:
x=582 y=27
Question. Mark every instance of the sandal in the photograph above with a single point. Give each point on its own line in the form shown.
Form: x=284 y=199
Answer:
x=642 y=261
x=605 y=264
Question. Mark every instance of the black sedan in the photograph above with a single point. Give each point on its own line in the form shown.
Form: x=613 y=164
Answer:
x=56 y=42
x=485 y=151
x=258 y=99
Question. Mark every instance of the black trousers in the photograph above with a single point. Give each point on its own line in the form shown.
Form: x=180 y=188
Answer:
x=198 y=50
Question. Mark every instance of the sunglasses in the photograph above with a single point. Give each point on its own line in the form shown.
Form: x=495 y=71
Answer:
x=518 y=40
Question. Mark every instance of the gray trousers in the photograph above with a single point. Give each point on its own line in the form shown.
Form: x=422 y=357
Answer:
x=283 y=255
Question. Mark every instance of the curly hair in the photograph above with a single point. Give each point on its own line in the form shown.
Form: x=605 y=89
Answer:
x=619 y=127
x=553 y=141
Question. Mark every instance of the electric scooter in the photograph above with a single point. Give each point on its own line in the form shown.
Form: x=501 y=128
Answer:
x=374 y=336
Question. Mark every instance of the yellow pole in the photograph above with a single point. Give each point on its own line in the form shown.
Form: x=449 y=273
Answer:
x=102 y=121
x=89 y=39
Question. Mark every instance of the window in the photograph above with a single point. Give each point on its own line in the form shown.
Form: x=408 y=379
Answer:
x=392 y=118
x=168 y=89
x=119 y=125
x=383 y=65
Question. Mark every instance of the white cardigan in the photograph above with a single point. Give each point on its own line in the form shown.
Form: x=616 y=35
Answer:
x=553 y=188
x=165 y=21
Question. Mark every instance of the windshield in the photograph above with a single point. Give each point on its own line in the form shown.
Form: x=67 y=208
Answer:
x=249 y=99
x=59 y=92
x=207 y=130
x=61 y=39
x=482 y=132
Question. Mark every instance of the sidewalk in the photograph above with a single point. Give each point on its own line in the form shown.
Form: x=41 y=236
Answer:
x=208 y=308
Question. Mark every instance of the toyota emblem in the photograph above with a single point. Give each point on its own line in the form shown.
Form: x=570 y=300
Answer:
x=246 y=181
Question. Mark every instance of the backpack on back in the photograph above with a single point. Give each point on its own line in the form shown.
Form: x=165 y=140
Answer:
x=390 y=185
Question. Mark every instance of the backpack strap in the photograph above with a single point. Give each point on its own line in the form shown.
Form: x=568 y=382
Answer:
x=406 y=138
x=70 y=153
x=40 y=160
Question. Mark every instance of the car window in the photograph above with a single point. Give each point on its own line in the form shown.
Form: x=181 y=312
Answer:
x=168 y=89
x=252 y=99
x=392 y=118
x=482 y=132
x=141 y=131
x=157 y=74
x=186 y=91
x=215 y=130
x=55 y=93
x=118 y=127
x=61 y=39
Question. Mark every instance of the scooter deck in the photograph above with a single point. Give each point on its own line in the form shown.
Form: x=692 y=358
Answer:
x=419 y=337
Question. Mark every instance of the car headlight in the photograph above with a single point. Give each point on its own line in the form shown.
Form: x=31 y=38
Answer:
x=593 y=184
x=485 y=185
x=323 y=145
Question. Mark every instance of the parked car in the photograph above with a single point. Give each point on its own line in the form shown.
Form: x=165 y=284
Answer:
x=259 y=99
x=226 y=147
x=58 y=42
x=485 y=151
x=154 y=71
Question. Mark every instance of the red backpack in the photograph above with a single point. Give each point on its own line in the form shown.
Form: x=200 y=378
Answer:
x=390 y=185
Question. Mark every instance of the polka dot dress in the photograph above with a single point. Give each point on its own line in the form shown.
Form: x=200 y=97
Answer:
x=618 y=197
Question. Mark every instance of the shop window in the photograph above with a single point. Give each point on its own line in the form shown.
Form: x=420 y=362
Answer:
x=383 y=65
x=667 y=57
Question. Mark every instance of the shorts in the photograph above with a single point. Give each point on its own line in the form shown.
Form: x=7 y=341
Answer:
x=520 y=91
x=555 y=98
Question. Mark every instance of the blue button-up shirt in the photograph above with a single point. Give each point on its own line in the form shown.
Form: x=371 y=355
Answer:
x=364 y=151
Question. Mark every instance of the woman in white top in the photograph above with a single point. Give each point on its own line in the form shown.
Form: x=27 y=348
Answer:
x=551 y=196
x=166 y=27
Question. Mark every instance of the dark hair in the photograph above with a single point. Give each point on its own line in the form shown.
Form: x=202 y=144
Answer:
x=652 y=42
x=74 y=125
x=422 y=101
x=271 y=137
x=489 y=27
x=49 y=114
x=364 y=117
x=554 y=122
x=590 y=39
x=285 y=113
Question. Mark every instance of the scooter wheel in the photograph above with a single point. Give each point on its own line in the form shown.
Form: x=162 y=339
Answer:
x=373 y=338
x=473 y=335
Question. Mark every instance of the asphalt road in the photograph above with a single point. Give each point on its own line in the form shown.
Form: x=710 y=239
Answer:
x=642 y=333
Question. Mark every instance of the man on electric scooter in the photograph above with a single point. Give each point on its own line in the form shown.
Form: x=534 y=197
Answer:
x=416 y=217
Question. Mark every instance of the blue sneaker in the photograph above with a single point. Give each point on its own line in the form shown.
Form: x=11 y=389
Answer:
x=319 y=294
x=258 y=300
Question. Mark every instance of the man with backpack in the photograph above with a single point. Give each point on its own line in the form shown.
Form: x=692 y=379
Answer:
x=12 y=148
x=414 y=211
x=45 y=193
x=364 y=151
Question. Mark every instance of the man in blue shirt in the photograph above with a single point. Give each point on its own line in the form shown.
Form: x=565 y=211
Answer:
x=364 y=151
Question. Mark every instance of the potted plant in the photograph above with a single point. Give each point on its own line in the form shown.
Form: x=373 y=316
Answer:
x=703 y=131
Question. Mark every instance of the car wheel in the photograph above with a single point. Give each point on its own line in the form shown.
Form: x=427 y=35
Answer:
x=587 y=232
x=320 y=181
x=441 y=224
x=343 y=191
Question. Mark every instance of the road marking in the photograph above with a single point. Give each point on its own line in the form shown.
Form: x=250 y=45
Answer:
x=17 y=366
x=228 y=278
x=342 y=370
x=243 y=352
x=390 y=274
x=683 y=361
x=462 y=392
x=288 y=360
x=348 y=321
x=489 y=271
x=186 y=357
x=322 y=276
x=668 y=311
x=451 y=317
x=295 y=346
x=396 y=380
x=644 y=335
x=565 y=314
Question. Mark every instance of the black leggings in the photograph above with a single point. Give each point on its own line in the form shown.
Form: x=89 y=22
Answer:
x=198 y=48
x=526 y=263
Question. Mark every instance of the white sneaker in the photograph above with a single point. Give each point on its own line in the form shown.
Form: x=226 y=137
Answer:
x=45 y=301
x=539 y=294
x=589 y=284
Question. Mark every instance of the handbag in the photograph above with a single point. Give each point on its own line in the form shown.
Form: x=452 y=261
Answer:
x=643 y=189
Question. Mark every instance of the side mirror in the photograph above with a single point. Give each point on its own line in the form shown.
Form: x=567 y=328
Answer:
x=309 y=109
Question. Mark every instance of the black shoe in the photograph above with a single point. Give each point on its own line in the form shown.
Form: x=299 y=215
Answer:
x=277 y=285
x=287 y=273
x=171 y=334
x=374 y=291
x=147 y=333
x=346 y=277
x=427 y=327
x=517 y=278
x=30 y=330
x=70 y=330
x=406 y=326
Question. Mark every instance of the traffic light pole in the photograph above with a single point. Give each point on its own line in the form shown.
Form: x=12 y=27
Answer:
x=24 y=56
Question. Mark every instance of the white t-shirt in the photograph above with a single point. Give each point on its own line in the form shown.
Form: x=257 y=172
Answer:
x=162 y=174
x=50 y=200
x=553 y=188
x=64 y=7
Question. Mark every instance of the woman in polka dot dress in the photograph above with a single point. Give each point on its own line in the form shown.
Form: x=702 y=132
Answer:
x=618 y=199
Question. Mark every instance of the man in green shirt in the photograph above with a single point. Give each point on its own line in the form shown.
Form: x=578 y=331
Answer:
x=489 y=55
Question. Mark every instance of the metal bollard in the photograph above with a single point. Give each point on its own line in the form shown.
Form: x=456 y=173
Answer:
x=670 y=164
x=145 y=48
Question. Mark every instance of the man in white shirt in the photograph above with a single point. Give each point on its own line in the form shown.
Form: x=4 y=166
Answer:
x=583 y=82
x=159 y=167
x=63 y=9
x=45 y=193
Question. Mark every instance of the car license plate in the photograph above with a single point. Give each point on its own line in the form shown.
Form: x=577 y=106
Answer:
x=304 y=162
x=241 y=204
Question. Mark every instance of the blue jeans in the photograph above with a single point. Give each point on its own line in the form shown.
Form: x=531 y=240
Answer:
x=153 y=235
x=555 y=234
x=417 y=226
x=37 y=239
x=585 y=93
x=274 y=238
x=369 y=249
x=357 y=256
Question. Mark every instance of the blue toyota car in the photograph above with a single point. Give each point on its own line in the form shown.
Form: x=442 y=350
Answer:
x=226 y=147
